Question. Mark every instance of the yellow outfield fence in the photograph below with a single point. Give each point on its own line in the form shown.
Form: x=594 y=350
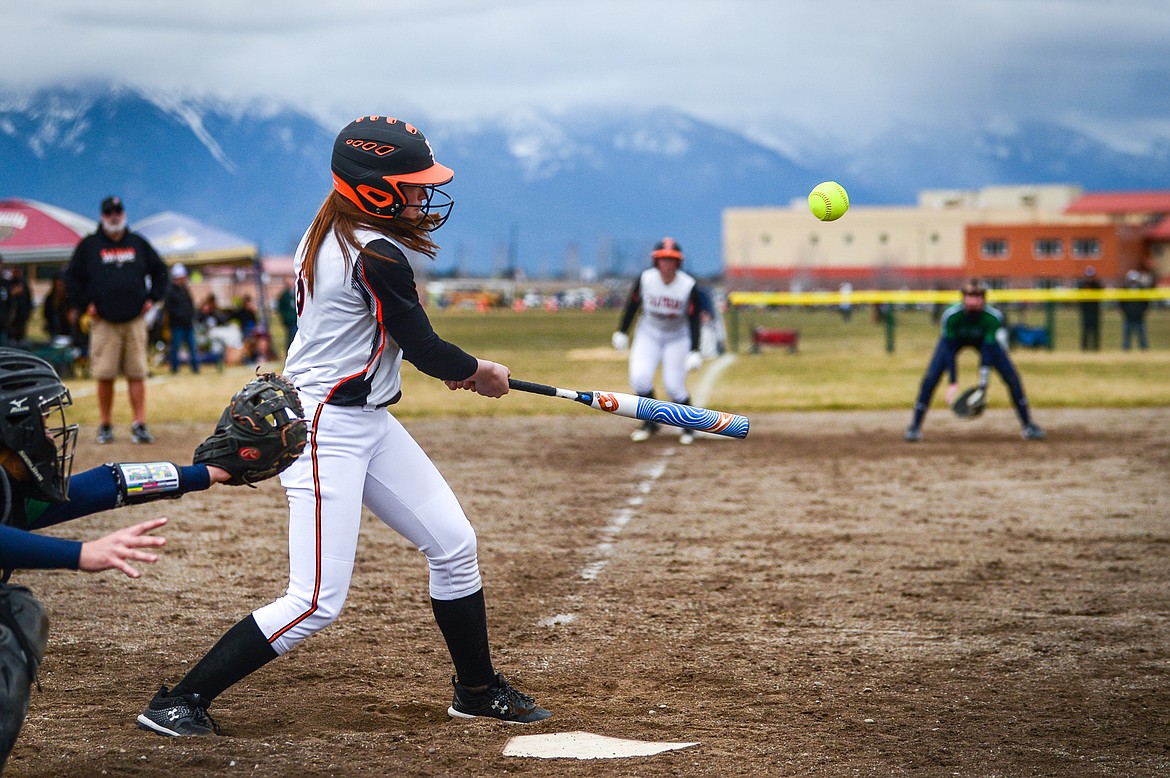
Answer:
x=739 y=299
x=891 y=299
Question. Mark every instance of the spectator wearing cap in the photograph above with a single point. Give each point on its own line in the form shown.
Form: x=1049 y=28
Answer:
x=180 y=310
x=116 y=276
x=1133 y=314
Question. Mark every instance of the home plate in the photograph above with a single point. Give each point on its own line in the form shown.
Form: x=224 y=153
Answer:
x=584 y=745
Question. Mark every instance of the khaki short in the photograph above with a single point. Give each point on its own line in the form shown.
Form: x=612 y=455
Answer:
x=117 y=347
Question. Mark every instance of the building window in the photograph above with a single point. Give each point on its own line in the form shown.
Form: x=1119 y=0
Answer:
x=1048 y=248
x=1086 y=248
x=994 y=248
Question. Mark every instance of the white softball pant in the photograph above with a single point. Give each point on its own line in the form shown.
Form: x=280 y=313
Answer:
x=359 y=456
x=652 y=346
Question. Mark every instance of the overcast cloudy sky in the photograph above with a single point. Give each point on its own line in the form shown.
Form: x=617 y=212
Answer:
x=852 y=67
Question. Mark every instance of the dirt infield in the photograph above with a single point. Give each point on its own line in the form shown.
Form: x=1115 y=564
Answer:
x=821 y=599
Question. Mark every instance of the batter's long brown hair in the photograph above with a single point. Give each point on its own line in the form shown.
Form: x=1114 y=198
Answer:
x=338 y=216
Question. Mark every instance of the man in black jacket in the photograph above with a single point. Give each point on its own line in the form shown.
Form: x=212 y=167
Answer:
x=116 y=276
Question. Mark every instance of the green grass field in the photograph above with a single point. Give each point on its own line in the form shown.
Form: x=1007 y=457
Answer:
x=838 y=366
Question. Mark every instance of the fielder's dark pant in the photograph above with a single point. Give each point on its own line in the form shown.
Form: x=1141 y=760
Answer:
x=992 y=354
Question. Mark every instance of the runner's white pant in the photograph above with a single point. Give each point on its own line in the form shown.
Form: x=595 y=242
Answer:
x=652 y=346
x=359 y=456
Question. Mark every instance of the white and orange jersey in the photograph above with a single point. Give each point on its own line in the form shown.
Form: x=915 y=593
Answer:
x=665 y=307
x=341 y=354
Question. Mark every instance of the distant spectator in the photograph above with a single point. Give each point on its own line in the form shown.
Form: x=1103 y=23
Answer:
x=180 y=309
x=1090 y=312
x=846 y=306
x=712 y=332
x=1133 y=314
x=210 y=314
x=116 y=277
x=21 y=303
x=5 y=300
x=286 y=307
x=55 y=309
x=246 y=314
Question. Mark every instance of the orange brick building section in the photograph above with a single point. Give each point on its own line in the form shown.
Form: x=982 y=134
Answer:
x=1058 y=252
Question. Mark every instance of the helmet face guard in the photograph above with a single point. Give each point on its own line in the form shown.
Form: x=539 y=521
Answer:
x=378 y=160
x=48 y=443
x=389 y=202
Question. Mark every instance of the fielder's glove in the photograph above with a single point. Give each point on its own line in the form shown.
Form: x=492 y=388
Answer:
x=970 y=402
x=620 y=341
x=260 y=433
x=694 y=360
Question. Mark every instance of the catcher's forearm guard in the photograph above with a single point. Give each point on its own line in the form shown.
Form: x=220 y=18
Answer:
x=145 y=481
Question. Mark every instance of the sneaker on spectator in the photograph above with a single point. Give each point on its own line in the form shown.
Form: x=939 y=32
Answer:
x=105 y=434
x=140 y=434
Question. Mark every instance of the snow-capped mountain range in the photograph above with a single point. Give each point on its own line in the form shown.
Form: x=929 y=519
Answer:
x=549 y=194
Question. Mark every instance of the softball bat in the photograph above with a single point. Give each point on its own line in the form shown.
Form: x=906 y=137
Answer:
x=690 y=417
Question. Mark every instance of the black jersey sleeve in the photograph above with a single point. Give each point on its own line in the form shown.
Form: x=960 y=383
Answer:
x=695 y=317
x=390 y=281
x=633 y=303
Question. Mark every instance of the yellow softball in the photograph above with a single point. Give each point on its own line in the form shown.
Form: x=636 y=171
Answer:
x=828 y=201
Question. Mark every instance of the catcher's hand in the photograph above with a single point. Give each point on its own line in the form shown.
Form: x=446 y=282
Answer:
x=970 y=403
x=260 y=433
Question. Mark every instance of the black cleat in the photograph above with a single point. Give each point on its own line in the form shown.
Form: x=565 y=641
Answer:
x=499 y=701
x=184 y=715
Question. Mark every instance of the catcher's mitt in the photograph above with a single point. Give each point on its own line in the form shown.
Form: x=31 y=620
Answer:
x=260 y=433
x=970 y=403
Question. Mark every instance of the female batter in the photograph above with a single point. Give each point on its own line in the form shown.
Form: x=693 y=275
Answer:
x=358 y=316
x=667 y=334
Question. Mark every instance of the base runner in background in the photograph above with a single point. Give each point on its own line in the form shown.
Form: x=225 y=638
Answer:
x=667 y=334
x=972 y=323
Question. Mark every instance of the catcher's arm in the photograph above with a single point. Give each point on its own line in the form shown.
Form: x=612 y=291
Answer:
x=117 y=484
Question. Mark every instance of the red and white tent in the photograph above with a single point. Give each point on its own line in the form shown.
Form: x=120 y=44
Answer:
x=34 y=232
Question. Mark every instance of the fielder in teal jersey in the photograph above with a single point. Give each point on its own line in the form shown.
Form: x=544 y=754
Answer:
x=978 y=325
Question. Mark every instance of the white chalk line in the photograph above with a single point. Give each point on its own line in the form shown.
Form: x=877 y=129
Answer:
x=604 y=550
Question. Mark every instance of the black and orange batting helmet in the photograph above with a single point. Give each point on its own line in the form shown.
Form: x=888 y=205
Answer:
x=375 y=156
x=667 y=248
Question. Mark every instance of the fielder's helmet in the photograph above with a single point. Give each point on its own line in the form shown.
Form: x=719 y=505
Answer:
x=375 y=156
x=667 y=248
x=32 y=421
